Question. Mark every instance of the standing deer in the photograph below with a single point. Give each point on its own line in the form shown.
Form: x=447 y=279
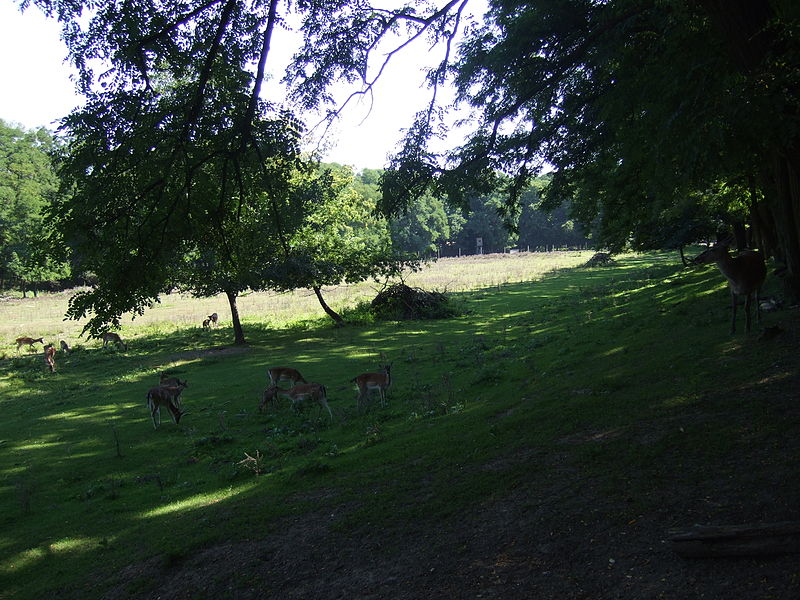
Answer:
x=168 y=396
x=50 y=357
x=278 y=374
x=114 y=338
x=64 y=346
x=299 y=394
x=173 y=382
x=745 y=273
x=22 y=341
x=213 y=318
x=367 y=382
x=206 y=323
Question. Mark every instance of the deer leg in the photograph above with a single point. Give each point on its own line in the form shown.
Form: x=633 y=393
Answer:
x=176 y=413
x=758 y=305
x=324 y=404
x=733 y=312
x=747 y=301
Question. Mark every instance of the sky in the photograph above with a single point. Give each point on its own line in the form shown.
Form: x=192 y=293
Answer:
x=37 y=90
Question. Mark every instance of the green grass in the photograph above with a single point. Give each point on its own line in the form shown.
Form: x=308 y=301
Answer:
x=635 y=355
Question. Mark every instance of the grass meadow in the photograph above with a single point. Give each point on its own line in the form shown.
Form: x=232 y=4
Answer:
x=43 y=316
x=625 y=372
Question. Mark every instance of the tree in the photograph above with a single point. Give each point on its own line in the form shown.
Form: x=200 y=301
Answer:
x=341 y=238
x=175 y=162
x=485 y=222
x=425 y=226
x=27 y=181
x=636 y=104
x=175 y=154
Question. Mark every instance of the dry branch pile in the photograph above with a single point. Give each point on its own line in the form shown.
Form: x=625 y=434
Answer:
x=400 y=302
x=600 y=258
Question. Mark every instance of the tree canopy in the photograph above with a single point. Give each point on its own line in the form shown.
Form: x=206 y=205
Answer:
x=27 y=184
x=638 y=105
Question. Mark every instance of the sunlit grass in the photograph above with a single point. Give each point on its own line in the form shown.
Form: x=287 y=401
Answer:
x=43 y=316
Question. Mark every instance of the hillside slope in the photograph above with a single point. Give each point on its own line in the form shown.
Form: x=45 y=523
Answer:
x=543 y=445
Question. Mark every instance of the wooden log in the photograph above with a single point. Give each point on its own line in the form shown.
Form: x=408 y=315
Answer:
x=764 y=539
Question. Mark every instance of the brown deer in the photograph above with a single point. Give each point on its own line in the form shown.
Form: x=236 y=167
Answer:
x=173 y=382
x=278 y=374
x=367 y=382
x=23 y=341
x=206 y=323
x=64 y=346
x=50 y=357
x=213 y=318
x=298 y=395
x=745 y=273
x=111 y=337
x=168 y=396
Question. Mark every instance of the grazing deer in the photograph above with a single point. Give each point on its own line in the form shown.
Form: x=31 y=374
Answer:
x=366 y=382
x=50 y=357
x=299 y=394
x=22 y=341
x=206 y=323
x=173 y=382
x=114 y=338
x=213 y=318
x=278 y=374
x=64 y=346
x=745 y=273
x=168 y=396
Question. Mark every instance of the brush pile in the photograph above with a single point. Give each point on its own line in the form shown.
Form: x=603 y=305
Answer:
x=601 y=258
x=401 y=303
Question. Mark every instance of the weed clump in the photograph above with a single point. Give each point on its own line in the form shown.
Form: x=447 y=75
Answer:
x=402 y=303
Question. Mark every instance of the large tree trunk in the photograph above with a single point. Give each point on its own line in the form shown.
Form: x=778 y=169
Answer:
x=328 y=310
x=238 y=333
x=785 y=208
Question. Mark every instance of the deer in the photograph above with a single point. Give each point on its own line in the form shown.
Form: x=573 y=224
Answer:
x=50 y=357
x=213 y=318
x=168 y=396
x=298 y=395
x=206 y=323
x=278 y=374
x=173 y=382
x=367 y=382
x=110 y=336
x=745 y=273
x=22 y=341
x=64 y=346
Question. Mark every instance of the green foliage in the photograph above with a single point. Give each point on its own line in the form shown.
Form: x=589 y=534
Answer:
x=27 y=183
x=340 y=238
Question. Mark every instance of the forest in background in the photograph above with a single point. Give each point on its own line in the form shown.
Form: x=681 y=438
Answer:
x=429 y=229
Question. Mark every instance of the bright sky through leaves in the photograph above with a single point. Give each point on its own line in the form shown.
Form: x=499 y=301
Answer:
x=37 y=89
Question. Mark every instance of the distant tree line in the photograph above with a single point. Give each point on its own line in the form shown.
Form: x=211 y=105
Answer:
x=431 y=227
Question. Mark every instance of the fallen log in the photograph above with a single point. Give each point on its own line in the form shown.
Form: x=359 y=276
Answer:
x=708 y=541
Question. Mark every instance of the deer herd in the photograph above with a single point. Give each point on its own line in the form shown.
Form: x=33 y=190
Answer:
x=745 y=273
x=167 y=394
